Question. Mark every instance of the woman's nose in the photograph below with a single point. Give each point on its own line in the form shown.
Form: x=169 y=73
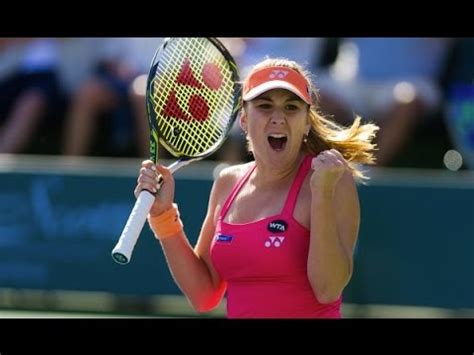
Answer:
x=277 y=117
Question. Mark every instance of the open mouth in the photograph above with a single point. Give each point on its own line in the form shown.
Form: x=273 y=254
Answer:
x=277 y=141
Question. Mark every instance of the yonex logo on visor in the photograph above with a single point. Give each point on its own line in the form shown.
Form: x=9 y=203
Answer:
x=269 y=78
x=278 y=74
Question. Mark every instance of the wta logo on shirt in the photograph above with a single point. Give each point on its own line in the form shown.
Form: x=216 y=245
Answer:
x=277 y=226
x=224 y=238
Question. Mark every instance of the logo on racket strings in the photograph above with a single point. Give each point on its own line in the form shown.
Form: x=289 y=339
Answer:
x=197 y=106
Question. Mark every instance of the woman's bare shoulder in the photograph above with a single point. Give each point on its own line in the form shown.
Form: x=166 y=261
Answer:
x=231 y=174
x=224 y=183
x=228 y=177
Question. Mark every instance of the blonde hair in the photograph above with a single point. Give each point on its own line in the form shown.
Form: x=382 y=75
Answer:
x=354 y=142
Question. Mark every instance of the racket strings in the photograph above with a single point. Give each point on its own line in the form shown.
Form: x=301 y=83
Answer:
x=193 y=99
x=207 y=134
x=202 y=135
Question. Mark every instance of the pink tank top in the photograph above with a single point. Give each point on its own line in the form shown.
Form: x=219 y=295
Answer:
x=264 y=263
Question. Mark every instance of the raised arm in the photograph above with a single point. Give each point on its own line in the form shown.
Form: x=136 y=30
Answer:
x=335 y=219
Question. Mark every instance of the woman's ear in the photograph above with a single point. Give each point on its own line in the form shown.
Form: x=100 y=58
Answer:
x=243 y=121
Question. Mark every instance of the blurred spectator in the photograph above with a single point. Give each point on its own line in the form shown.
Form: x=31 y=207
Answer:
x=459 y=81
x=77 y=59
x=393 y=81
x=30 y=93
x=304 y=50
x=114 y=93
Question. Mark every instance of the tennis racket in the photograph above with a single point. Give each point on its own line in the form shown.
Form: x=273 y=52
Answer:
x=192 y=100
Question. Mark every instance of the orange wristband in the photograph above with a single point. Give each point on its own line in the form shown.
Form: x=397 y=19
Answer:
x=167 y=224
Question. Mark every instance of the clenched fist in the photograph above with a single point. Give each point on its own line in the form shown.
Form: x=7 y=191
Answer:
x=328 y=168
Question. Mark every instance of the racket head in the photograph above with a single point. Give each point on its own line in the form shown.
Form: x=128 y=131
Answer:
x=192 y=97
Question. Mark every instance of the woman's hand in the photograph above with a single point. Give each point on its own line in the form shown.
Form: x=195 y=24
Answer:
x=148 y=180
x=328 y=168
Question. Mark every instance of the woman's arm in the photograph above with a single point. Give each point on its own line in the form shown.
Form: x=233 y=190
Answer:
x=335 y=219
x=191 y=268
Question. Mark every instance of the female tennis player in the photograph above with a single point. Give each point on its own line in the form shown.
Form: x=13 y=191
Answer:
x=280 y=231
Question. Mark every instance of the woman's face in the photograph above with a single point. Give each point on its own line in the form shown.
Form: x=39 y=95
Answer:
x=276 y=123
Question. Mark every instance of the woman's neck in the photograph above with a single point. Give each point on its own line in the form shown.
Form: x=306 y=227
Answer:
x=266 y=175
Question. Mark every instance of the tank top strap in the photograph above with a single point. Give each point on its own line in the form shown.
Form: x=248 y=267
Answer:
x=296 y=186
x=235 y=190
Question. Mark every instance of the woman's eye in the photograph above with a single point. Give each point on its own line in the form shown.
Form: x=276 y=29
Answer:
x=291 y=107
x=265 y=106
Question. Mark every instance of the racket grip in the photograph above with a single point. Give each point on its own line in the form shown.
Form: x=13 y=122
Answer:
x=123 y=250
